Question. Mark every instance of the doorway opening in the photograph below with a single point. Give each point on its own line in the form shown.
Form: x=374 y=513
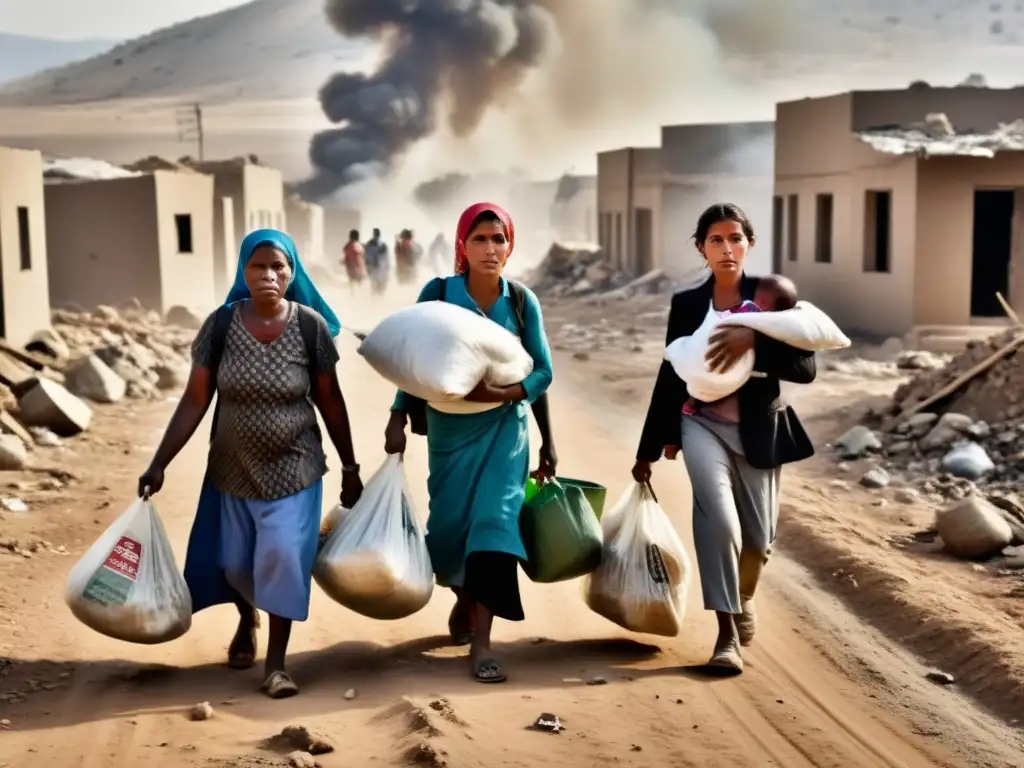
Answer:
x=644 y=240
x=992 y=244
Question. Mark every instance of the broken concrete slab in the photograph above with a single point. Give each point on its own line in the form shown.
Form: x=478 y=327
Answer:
x=13 y=453
x=91 y=378
x=48 y=404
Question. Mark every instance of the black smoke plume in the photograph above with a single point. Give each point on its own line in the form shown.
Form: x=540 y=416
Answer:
x=460 y=55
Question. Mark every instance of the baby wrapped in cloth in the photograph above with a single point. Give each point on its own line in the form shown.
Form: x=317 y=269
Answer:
x=775 y=312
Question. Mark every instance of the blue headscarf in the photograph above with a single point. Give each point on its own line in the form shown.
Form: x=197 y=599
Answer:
x=301 y=289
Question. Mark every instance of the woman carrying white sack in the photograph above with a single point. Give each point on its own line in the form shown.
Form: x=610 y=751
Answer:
x=479 y=462
x=733 y=448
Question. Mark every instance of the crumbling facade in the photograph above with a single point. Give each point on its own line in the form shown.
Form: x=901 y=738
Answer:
x=24 y=297
x=903 y=210
x=629 y=192
x=305 y=223
x=147 y=237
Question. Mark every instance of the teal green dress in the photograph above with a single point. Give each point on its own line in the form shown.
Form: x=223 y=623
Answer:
x=479 y=464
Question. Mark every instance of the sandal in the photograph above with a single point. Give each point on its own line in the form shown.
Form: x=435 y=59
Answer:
x=238 y=659
x=489 y=670
x=727 y=660
x=279 y=685
x=460 y=624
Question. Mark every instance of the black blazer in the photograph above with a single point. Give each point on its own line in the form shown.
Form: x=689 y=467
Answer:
x=770 y=431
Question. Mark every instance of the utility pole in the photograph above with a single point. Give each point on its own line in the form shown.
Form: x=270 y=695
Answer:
x=190 y=127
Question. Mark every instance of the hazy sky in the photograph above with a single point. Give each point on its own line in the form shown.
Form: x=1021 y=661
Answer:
x=118 y=19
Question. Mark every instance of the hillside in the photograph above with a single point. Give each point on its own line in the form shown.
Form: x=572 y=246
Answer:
x=284 y=49
x=264 y=50
x=21 y=56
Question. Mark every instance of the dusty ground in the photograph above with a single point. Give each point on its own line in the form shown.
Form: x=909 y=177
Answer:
x=823 y=688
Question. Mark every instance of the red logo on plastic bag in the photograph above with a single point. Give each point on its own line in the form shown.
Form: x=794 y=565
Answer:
x=124 y=558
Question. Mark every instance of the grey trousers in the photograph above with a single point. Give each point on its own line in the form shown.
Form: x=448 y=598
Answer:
x=735 y=512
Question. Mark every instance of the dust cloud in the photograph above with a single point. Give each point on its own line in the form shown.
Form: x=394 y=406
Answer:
x=480 y=87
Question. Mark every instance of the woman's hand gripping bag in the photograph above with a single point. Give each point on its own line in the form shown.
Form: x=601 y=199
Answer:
x=686 y=355
x=644 y=576
x=804 y=326
x=375 y=560
x=439 y=352
x=128 y=586
x=561 y=534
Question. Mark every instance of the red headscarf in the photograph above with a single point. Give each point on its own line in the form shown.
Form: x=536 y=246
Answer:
x=466 y=222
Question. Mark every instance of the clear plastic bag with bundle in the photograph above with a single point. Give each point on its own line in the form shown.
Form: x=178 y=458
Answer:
x=128 y=586
x=644 y=577
x=375 y=560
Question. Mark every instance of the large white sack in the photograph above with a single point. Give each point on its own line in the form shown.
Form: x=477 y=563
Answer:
x=644 y=576
x=128 y=586
x=439 y=352
x=804 y=327
x=686 y=354
x=375 y=561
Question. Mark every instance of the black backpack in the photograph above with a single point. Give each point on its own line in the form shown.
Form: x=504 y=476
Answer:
x=308 y=327
x=416 y=408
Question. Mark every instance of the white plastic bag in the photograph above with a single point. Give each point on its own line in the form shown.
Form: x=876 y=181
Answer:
x=644 y=576
x=686 y=354
x=439 y=352
x=804 y=327
x=128 y=586
x=375 y=561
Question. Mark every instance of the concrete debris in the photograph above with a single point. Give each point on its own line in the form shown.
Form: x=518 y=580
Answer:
x=48 y=404
x=91 y=378
x=936 y=136
x=100 y=356
x=576 y=269
x=13 y=453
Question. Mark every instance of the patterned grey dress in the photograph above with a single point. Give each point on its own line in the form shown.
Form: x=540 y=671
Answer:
x=267 y=462
x=267 y=444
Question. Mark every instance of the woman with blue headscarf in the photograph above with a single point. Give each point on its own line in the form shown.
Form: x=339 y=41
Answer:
x=269 y=355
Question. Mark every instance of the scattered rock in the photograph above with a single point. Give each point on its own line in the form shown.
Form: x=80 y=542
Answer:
x=597 y=681
x=548 y=723
x=13 y=453
x=973 y=529
x=967 y=460
x=200 y=712
x=47 y=404
x=857 y=442
x=876 y=478
x=91 y=378
x=301 y=760
x=300 y=737
x=906 y=496
x=940 y=678
x=350 y=694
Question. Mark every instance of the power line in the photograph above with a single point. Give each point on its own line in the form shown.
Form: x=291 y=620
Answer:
x=190 y=127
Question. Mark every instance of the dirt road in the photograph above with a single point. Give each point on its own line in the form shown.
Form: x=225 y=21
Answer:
x=821 y=689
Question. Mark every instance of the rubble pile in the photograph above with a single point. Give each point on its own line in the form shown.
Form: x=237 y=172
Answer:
x=48 y=388
x=580 y=269
x=955 y=427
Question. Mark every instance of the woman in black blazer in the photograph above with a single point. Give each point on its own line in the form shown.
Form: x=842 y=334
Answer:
x=733 y=448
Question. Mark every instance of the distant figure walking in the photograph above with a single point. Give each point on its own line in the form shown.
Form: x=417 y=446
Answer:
x=377 y=264
x=355 y=260
x=440 y=252
x=407 y=257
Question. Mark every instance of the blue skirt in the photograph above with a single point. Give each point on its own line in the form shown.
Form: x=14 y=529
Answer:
x=257 y=550
x=479 y=464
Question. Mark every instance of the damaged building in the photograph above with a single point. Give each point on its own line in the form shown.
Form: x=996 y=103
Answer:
x=903 y=211
x=248 y=196
x=129 y=235
x=649 y=198
x=24 y=298
x=305 y=223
